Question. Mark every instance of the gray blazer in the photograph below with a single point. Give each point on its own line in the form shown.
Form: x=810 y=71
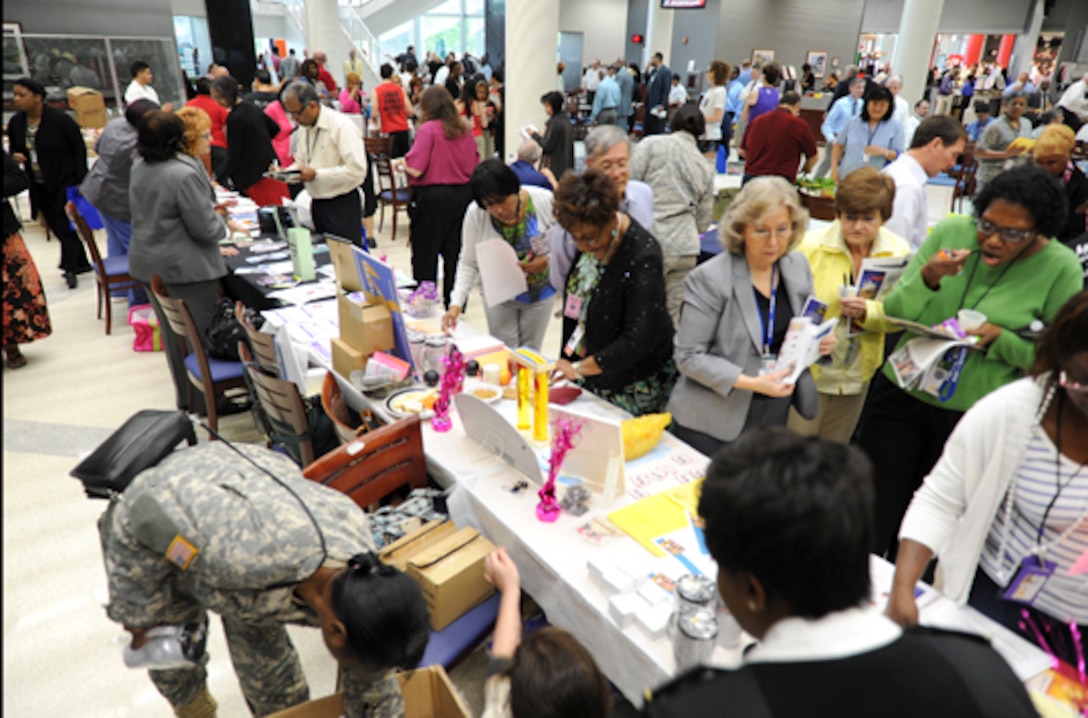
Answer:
x=720 y=338
x=175 y=229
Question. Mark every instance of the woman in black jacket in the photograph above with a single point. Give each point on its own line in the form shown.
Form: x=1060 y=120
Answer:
x=26 y=316
x=558 y=140
x=249 y=145
x=49 y=145
x=617 y=334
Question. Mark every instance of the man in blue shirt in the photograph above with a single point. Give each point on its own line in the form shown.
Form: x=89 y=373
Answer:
x=844 y=108
x=606 y=102
x=525 y=167
x=976 y=128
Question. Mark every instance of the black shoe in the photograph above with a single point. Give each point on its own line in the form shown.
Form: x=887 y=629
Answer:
x=72 y=280
x=372 y=243
x=84 y=269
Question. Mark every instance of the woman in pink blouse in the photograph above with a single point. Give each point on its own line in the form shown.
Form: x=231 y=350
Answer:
x=281 y=143
x=439 y=168
x=352 y=97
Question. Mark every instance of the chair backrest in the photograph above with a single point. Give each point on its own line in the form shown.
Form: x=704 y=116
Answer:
x=86 y=235
x=375 y=464
x=379 y=151
x=264 y=345
x=182 y=324
x=283 y=406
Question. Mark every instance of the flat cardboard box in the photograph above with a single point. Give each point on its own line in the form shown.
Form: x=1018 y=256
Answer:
x=89 y=106
x=451 y=574
x=397 y=553
x=343 y=263
x=346 y=358
x=428 y=692
x=366 y=327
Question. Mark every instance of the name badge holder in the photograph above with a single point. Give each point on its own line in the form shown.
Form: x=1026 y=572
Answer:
x=767 y=358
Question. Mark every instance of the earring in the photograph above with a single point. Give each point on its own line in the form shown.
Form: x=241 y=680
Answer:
x=752 y=606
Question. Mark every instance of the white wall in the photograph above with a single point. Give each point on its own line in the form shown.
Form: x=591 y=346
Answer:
x=603 y=24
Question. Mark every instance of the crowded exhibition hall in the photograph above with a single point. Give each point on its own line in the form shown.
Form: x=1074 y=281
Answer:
x=545 y=358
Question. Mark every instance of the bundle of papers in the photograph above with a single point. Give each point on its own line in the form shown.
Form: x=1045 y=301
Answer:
x=931 y=362
x=801 y=347
x=878 y=276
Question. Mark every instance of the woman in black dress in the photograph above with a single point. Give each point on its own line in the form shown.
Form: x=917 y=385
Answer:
x=26 y=316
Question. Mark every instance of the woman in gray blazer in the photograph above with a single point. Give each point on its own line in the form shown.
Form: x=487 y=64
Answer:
x=737 y=308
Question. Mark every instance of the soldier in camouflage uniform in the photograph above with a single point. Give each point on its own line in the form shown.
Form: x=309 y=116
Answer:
x=207 y=530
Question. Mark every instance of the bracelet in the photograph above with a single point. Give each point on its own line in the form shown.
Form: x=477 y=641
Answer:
x=578 y=369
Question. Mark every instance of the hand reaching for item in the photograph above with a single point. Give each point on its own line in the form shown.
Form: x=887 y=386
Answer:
x=501 y=571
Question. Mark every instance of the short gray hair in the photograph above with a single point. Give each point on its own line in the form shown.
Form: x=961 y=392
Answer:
x=602 y=139
x=756 y=200
x=304 y=92
x=529 y=151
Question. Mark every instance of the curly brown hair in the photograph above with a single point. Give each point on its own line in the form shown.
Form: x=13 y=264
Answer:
x=436 y=104
x=590 y=198
x=719 y=71
x=1066 y=335
x=865 y=190
x=197 y=122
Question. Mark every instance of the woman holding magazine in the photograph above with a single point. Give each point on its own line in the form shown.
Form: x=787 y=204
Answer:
x=1002 y=264
x=863 y=203
x=736 y=312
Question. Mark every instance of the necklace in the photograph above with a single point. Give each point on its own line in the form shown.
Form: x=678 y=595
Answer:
x=971 y=278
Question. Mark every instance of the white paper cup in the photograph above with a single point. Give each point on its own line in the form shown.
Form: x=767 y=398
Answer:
x=847 y=290
x=491 y=374
x=970 y=319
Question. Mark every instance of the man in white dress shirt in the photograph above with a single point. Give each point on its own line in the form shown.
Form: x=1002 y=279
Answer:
x=921 y=112
x=140 y=88
x=902 y=107
x=936 y=145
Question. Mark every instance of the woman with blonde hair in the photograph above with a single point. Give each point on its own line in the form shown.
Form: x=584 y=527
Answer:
x=863 y=203
x=737 y=309
x=197 y=139
x=1053 y=151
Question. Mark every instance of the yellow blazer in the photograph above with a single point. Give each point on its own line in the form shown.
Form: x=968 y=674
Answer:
x=829 y=258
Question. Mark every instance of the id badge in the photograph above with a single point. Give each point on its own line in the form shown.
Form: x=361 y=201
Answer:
x=575 y=342
x=1029 y=580
x=766 y=363
x=573 y=307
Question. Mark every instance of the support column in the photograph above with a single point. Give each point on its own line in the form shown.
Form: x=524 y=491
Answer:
x=323 y=32
x=1004 y=50
x=658 y=34
x=230 y=26
x=914 y=45
x=975 y=43
x=1024 y=50
x=532 y=46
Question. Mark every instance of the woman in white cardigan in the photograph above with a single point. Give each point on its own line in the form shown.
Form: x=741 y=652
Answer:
x=519 y=216
x=1010 y=493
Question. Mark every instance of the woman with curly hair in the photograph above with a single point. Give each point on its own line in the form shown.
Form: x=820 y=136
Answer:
x=617 y=334
x=1001 y=263
x=1011 y=489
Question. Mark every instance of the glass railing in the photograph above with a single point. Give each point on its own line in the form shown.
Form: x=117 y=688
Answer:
x=297 y=10
x=360 y=35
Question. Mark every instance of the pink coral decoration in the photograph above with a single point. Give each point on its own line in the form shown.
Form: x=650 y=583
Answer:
x=564 y=432
x=453 y=379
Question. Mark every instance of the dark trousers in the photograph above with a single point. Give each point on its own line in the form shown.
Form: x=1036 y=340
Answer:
x=727 y=130
x=436 y=212
x=340 y=216
x=400 y=143
x=652 y=125
x=903 y=437
x=50 y=204
x=219 y=163
x=1070 y=119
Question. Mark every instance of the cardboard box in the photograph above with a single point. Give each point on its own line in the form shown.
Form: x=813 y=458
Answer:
x=451 y=574
x=397 y=553
x=346 y=358
x=428 y=692
x=89 y=106
x=366 y=327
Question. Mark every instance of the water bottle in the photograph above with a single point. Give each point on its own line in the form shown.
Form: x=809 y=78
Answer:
x=723 y=156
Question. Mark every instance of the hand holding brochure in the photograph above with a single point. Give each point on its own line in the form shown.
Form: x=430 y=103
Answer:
x=801 y=347
x=932 y=362
x=878 y=276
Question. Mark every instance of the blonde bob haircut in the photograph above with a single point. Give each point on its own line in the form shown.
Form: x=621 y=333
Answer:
x=1055 y=140
x=757 y=199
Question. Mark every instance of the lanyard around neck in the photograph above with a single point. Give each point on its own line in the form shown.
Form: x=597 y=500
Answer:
x=768 y=327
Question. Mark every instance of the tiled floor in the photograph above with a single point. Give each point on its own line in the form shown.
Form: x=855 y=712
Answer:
x=62 y=656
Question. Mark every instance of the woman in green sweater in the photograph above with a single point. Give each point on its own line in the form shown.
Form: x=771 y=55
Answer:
x=1001 y=263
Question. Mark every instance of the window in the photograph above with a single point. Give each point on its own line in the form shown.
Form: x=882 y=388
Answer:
x=442 y=34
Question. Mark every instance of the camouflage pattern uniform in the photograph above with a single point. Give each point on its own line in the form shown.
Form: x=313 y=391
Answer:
x=254 y=544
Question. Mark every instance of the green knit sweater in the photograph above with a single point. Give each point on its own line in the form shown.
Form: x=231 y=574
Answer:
x=1010 y=296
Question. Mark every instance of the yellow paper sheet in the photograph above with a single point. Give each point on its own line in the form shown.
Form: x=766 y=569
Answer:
x=657 y=515
x=1024 y=143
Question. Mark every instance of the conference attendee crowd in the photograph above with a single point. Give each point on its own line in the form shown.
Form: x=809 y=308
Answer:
x=987 y=475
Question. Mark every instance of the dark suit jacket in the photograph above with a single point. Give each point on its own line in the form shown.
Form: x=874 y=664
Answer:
x=62 y=154
x=658 y=91
x=720 y=338
x=628 y=328
x=249 y=145
x=558 y=143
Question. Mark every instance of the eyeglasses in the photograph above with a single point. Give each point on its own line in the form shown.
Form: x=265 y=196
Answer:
x=1069 y=385
x=1012 y=236
x=591 y=240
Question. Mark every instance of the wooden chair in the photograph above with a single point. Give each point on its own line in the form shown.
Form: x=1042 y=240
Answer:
x=263 y=345
x=211 y=377
x=283 y=407
x=379 y=151
x=372 y=466
x=110 y=273
x=965 y=183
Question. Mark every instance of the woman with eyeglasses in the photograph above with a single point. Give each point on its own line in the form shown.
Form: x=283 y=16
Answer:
x=874 y=138
x=1010 y=495
x=736 y=312
x=521 y=217
x=617 y=334
x=1002 y=264
x=863 y=203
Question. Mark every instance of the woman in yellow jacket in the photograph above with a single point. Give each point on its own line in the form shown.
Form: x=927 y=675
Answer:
x=863 y=202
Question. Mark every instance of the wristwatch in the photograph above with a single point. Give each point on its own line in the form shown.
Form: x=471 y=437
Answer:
x=578 y=369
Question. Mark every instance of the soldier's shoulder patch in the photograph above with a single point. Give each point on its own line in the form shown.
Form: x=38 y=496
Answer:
x=181 y=552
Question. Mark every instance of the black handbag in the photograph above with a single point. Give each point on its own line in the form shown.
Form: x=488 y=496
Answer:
x=141 y=442
x=225 y=331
